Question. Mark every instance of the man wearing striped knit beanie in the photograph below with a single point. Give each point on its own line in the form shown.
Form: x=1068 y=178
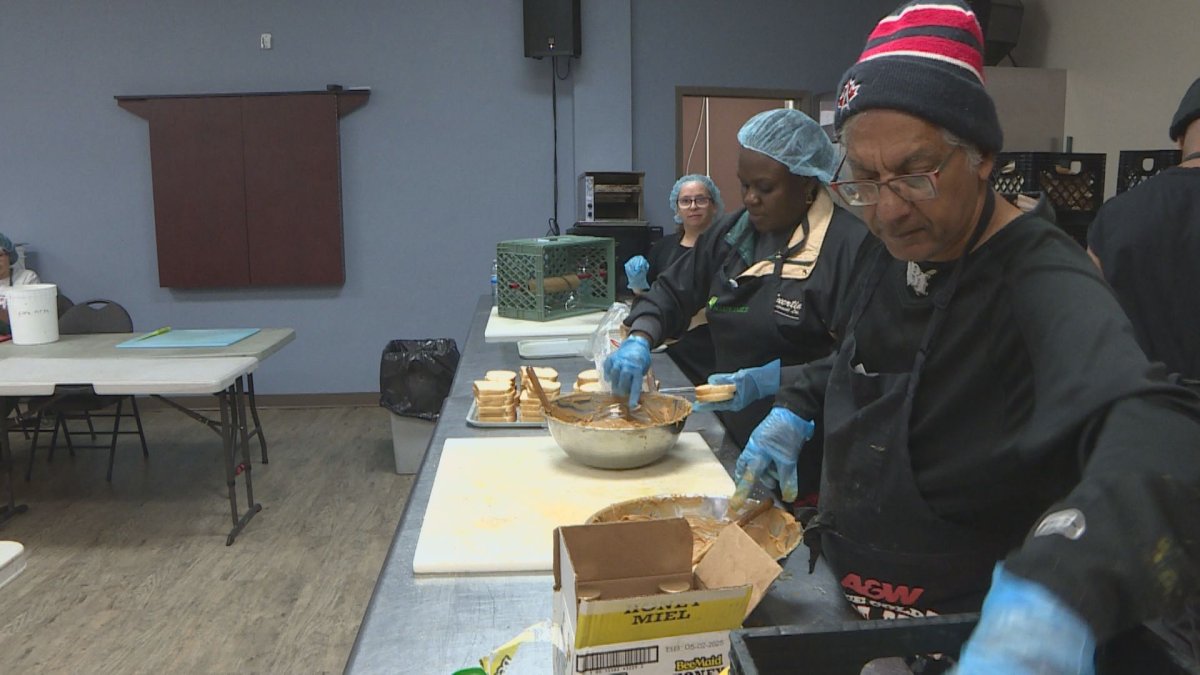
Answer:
x=995 y=440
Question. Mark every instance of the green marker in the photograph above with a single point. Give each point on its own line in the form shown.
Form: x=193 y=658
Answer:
x=160 y=331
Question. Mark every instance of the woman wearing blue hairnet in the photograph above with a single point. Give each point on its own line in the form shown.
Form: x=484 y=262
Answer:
x=11 y=277
x=697 y=203
x=768 y=276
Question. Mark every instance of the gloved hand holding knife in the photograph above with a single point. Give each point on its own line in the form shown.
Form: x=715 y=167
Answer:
x=771 y=455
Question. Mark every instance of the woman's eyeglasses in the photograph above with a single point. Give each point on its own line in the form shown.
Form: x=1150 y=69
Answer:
x=687 y=202
x=912 y=187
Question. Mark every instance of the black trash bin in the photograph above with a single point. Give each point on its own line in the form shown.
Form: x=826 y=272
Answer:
x=415 y=376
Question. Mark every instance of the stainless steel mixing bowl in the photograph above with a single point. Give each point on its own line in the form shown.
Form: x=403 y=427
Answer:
x=582 y=429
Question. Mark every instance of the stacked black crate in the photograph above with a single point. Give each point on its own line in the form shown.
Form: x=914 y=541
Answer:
x=1073 y=182
x=1135 y=166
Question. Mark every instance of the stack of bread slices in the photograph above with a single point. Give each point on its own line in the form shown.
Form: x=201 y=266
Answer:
x=530 y=406
x=496 y=396
x=588 y=381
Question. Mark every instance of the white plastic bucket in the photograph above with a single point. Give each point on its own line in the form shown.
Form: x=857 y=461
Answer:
x=33 y=313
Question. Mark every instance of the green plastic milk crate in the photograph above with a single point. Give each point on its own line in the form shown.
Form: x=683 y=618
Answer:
x=554 y=277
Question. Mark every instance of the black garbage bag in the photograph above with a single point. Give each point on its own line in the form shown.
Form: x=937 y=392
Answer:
x=415 y=376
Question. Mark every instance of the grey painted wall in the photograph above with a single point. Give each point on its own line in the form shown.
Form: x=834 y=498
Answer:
x=766 y=44
x=451 y=154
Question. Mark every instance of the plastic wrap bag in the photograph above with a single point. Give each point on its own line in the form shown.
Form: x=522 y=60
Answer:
x=607 y=338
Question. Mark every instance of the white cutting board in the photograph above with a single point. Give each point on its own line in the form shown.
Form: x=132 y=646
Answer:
x=503 y=329
x=496 y=501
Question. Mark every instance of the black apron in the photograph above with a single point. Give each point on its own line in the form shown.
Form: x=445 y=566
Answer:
x=752 y=335
x=893 y=555
x=693 y=351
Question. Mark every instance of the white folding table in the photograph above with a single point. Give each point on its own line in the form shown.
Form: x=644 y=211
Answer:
x=260 y=345
x=93 y=360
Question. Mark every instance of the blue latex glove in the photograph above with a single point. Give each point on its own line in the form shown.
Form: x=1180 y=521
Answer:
x=636 y=269
x=770 y=456
x=625 y=368
x=752 y=384
x=1025 y=629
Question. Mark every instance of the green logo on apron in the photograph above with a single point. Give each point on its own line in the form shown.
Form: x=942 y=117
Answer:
x=740 y=309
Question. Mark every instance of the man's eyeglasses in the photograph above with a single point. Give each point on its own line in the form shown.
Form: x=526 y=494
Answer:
x=687 y=202
x=911 y=187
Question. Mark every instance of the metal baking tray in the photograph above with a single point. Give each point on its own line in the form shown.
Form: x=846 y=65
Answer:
x=474 y=422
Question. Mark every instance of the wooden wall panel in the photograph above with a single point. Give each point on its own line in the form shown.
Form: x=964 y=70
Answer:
x=293 y=189
x=199 y=193
x=247 y=187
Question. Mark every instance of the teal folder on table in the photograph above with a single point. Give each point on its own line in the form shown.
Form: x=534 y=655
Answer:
x=189 y=337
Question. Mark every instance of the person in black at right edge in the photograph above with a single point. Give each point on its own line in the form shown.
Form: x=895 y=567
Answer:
x=995 y=439
x=1147 y=243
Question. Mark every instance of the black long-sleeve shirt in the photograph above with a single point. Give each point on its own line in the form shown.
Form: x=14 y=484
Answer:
x=1148 y=242
x=1034 y=400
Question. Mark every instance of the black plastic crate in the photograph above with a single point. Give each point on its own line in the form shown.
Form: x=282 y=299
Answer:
x=1135 y=166
x=847 y=647
x=844 y=649
x=1072 y=181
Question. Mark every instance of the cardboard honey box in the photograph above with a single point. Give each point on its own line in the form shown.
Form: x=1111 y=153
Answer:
x=626 y=599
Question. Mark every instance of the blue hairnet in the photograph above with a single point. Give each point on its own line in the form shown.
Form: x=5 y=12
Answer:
x=7 y=245
x=708 y=185
x=793 y=139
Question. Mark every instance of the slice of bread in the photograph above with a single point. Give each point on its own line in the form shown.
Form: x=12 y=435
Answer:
x=589 y=375
x=509 y=376
x=714 y=393
x=485 y=387
x=493 y=400
x=504 y=417
x=495 y=409
x=544 y=373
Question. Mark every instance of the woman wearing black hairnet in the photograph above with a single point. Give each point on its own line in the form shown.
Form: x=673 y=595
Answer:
x=768 y=276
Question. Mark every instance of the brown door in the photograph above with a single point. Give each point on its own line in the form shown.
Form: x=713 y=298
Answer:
x=708 y=136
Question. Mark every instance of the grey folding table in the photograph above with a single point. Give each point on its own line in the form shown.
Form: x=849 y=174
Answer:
x=225 y=372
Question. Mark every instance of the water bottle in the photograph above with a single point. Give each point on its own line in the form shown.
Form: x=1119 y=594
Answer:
x=495 y=282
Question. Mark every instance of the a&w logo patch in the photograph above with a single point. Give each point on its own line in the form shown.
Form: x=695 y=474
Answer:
x=875 y=599
x=849 y=92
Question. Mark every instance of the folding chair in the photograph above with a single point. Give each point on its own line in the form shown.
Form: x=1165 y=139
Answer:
x=81 y=402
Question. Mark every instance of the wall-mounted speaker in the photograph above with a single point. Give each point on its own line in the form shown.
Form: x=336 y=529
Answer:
x=552 y=28
x=1001 y=24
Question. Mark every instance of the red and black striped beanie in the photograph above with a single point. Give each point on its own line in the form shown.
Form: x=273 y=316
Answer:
x=925 y=59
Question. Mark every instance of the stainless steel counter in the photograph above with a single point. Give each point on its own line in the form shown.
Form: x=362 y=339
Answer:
x=430 y=625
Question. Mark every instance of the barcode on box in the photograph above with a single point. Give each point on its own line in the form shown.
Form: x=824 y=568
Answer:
x=620 y=658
